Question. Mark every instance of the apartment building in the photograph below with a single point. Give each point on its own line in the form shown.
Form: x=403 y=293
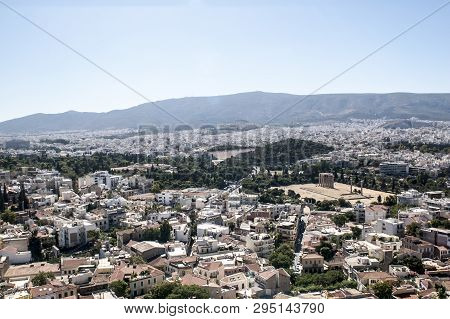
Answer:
x=394 y=169
x=287 y=230
x=140 y=278
x=74 y=233
x=390 y=226
x=262 y=244
x=418 y=245
x=207 y=245
x=312 y=263
x=54 y=290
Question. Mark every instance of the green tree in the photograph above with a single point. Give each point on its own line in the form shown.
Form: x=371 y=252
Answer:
x=327 y=253
x=325 y=249
x=2 y=202
x=344 y=203
x=413 y=229
x=339 y=219
x=42 y=278
x=23 y=199
x=165 y=231
x=156 y=188
x=8 y=217
x=5 y=194
x=412 y=262
x=120 y=288
x=137 y=260
x=189 y=292
x=161 y=290
x=383 y=290
x=356 y=232
x=442 y=291
x=282 y=257
x=390 y=200
x=35 y=247
x=174 y=290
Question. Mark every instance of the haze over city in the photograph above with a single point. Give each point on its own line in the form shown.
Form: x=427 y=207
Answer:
x=171 y=49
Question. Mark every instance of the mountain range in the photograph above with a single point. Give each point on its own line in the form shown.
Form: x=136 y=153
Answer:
x=253 y=107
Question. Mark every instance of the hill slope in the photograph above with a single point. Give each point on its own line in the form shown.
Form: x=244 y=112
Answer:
x=255 y=107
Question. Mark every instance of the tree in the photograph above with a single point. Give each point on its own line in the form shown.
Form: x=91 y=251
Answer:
x=442 y=291
x=156 y=188
x=23 y=199
x=93 y=235
x=327 y=253
x=282 y=257
x=5 y=194
x=325 y=249
x=161 y=290
x=390 y=200
x=35 y=247
x=344 y=203
x=8 y=217
x=413 y=229
x=42 y=278
x=356 y=232
x=189 y=292
x=174 y=290
x=339 y=219
x=278 y=238
x=2 y=202
x=137 y=260
x=412 y=262
x=165 y=231
x=383 y=290
x=120 y=288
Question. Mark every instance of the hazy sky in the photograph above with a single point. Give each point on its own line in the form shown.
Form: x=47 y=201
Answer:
x=170 y=49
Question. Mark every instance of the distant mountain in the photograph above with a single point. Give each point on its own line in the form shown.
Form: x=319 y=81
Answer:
x=253 y=107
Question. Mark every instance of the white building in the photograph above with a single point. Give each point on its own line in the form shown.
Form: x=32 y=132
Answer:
x=262 y=244
x=390 y=226
x=15 y=256
x=181 y=232
x=100 y=178
x=207 y=245
x=74 y=234
x=175 y=250
x=213 y=230
x=370 y=213
x=411 y=198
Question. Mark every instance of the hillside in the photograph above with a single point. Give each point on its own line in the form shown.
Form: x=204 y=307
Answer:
x=253 y=107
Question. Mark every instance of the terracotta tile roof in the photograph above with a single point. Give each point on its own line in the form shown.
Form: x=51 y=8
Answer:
x=70 y=263
x=378 y=275
x=50 y=288
x=211 y=266
x=190 y=279
x=31 y=269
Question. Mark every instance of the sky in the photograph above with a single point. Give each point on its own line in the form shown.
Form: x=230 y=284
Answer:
x=171 y=49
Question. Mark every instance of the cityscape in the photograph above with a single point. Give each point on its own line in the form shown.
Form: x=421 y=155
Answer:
x=330 y=210
x=265 y=166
